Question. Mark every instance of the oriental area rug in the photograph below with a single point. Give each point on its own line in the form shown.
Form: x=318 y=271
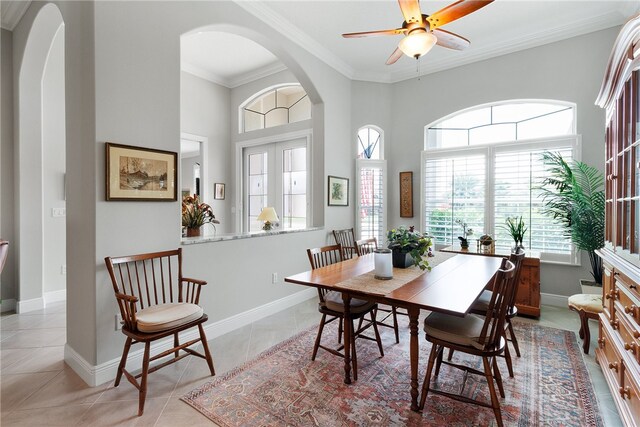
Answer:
x=283 y=387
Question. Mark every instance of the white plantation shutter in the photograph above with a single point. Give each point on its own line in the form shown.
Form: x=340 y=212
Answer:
x=371 y=209
x=454 y=189
x=519 y=172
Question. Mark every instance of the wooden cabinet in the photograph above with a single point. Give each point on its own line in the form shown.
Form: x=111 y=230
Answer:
x=618 y=351
x=528 y=295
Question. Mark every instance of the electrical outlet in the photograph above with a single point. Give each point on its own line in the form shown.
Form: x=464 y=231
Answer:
x=118 y=322
x=274 y=278
x=63 y=269
x=58 y=212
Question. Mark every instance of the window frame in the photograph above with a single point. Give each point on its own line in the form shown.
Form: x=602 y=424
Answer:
x=369 y=163
x=490 y=150
x=261 y=93
x=380 y=143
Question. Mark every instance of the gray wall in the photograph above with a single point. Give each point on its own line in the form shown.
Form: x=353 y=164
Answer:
x=53 y=163
x=204 y=111
x=7 y=290
x=570 y=70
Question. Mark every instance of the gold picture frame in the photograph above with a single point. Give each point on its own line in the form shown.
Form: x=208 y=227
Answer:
x=140 y=174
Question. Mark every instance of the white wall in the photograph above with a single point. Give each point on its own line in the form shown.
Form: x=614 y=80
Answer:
x=53 y=164
x=205 y=111
x=7 y=203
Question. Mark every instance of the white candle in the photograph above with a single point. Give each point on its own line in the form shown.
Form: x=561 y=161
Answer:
x=383 y=265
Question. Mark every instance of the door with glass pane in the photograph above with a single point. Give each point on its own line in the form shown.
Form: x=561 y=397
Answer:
x=294 y=185
x=257 y=192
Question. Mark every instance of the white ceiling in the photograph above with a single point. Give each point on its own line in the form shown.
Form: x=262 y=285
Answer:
x=502 y=27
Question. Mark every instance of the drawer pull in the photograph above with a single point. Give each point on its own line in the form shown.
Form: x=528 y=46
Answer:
x=601 y=342
x=625 y=392
x=630 y=309
x=615 y=324
x=630 y=347
x=632 y=286
x=609 y=295
x=613 y=366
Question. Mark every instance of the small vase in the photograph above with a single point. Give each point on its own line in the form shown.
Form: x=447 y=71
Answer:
x=193 y=232
x=402 y=259
x=464 y=244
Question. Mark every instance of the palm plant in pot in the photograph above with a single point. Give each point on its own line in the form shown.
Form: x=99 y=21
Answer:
x=409 y=247
x=573 y=194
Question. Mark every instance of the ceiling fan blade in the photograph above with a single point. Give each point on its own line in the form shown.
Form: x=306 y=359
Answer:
x=375 y=33
x=397 y=54
x=450 y=40
x=455 y=11
x=411 y=11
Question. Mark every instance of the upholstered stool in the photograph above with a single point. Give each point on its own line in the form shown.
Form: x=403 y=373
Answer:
x=588 y=307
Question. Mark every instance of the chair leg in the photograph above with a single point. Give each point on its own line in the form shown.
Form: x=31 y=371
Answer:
x=498 y=376
x=340 y=330
x=376 y=332
x=507 y=358
x=143 y=378
x=584 y=320
x=354 y=357
x=205 y=346
x=450 y=355
x=495 y=403
x=176 y=343
x=123 y=361
x=514 y=339
x=439 y=361
x=317 y=344
x=427 y=377
x=395 y=323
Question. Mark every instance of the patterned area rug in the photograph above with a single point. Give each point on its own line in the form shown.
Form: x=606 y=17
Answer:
x=283 y=387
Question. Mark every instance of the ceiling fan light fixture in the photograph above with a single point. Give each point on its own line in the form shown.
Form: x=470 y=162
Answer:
x=417 y=43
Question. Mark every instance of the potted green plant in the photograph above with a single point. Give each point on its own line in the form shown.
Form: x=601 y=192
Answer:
x=573 y=194
x=516 y=228
x=195 y=214
x=466 y=232
x=409 y=247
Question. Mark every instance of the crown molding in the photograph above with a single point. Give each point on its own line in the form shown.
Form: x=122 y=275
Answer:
x=204 y=74
x=11 y=12
x=276 y=21
x=234 y=82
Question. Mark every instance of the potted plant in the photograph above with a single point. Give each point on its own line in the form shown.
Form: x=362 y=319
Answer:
x=515 y=227
x=466 y=232
x=573 y=194
x=409 y=247
x=195 y=214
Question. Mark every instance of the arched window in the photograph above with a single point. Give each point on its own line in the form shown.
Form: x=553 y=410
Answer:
x=484 y=164
x=371 y=183
x=275 y=106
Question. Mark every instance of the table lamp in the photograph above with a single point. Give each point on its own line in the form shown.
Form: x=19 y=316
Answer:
x=269 y=216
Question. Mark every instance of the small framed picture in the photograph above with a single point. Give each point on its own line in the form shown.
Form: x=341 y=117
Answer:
x=406 y=194
x=139 y=173
x=218 y=191
x=338 y=189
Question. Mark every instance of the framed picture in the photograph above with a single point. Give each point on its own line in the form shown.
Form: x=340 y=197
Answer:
x=218 y=191
x=406 y=194
x=186 y=192
x=138 y=173
x=338 y=189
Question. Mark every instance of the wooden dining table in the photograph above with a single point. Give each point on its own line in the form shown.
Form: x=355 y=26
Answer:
x=450 y=287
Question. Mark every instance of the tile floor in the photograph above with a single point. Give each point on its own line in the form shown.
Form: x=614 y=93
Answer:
x=38 y=389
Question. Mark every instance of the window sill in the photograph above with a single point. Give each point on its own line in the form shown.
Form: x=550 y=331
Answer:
x=224 y=237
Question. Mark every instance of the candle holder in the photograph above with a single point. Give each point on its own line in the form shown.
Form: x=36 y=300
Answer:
x=382 y=259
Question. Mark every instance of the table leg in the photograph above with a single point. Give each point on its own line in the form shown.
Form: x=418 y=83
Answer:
x=346 y=298
x=413 y=348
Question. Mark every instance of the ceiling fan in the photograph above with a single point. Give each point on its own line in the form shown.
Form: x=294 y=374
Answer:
x=421 y=31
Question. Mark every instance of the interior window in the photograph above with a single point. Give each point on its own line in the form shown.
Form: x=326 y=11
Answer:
x=275 y=107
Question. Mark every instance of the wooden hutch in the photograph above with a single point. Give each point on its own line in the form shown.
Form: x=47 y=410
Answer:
x=618 y=351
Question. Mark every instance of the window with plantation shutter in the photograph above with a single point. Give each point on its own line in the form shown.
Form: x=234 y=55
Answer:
x=474 y=172
x=371 y=215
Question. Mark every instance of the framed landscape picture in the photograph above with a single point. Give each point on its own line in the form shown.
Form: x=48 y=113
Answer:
x=138 y=173
x=338 y=189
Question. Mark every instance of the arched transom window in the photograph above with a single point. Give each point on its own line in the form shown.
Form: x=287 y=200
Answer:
x=370 y=143
x=275 y=107
x=501 y=122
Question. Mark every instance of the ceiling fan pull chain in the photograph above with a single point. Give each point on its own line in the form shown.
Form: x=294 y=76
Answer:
x=418 y=67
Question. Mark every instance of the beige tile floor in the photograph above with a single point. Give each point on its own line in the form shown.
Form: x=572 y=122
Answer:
x=38 y=389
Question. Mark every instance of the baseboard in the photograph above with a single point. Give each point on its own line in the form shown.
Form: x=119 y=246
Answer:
x=55 y=296
x=7 y=305
x=554 y=300
x=105 y=372
x=30 y=305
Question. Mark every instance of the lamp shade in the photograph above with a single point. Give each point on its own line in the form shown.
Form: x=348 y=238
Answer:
x=417 y=43
x=268 y=214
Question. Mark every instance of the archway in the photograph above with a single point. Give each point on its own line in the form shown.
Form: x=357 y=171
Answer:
x=41 y=224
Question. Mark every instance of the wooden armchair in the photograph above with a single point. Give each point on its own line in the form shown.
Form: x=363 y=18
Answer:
x=347 y=239
x=331 y=306
x=156 y=302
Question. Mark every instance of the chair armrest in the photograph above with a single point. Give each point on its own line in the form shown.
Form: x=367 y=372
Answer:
x=192 y=291
x=127 y=305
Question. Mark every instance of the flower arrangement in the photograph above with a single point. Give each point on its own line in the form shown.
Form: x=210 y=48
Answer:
x=515 y=227
x=195 y=214
x=407 y=240
x=466 y=232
